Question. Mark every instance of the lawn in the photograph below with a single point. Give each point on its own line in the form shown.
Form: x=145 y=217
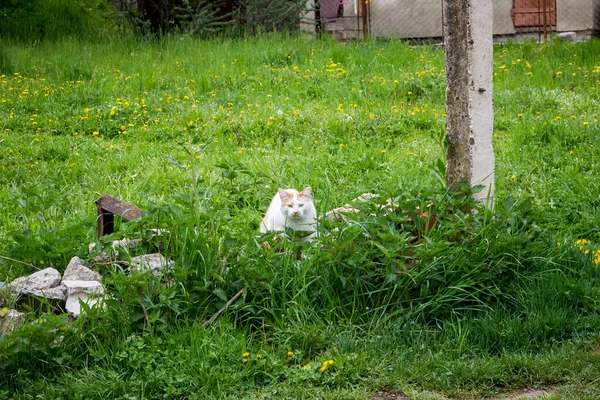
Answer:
x=202 y=133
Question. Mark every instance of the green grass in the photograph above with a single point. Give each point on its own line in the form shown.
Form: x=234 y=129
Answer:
x=202 y=133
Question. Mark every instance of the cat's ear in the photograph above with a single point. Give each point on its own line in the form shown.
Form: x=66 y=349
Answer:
x=282 y=194
x=307 y=192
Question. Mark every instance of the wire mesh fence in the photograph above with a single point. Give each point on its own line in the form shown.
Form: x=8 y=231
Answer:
x=422 y=19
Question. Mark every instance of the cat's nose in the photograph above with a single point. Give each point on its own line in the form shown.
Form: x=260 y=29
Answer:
x=296 y=213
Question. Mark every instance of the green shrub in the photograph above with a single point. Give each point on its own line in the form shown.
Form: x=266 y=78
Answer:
x=33 y=20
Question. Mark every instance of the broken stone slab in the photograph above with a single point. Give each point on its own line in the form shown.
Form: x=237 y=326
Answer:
x=88 y=292
x=10 y=321
x=77 y=271
x=156 y=263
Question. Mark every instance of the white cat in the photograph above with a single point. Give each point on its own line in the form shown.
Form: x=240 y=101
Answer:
x=291 y=209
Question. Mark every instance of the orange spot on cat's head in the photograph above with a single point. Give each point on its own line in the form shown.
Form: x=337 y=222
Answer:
x=306 y=192
x=285 y=196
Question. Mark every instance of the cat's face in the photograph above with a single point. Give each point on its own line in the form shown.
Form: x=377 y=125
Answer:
x=296 y=204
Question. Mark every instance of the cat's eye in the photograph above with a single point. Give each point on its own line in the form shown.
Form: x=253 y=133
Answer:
x=290 y=205
x=300 y=205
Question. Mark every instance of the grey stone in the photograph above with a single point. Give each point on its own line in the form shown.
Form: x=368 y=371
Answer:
x=2 y=284
x=54 y=295
x=568 y=36
x=156 y=263
x=44 y=284
x=88 y=292
x=42 y=280
x=76 y=271
x=11 y=321
x=366 y=197
x=115 y=247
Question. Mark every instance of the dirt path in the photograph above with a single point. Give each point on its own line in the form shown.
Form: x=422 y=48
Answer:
x=522 y=394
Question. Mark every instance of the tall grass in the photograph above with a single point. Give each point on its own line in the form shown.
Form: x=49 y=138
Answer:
x=202 y=133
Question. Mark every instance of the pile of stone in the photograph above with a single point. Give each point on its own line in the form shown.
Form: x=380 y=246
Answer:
x=78 y=285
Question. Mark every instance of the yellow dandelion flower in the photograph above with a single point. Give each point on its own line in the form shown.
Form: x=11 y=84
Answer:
x=371 y=116
x=290 y=354
x=596 y=258
x=326 y=365
x=306 y=367
x=581 y=243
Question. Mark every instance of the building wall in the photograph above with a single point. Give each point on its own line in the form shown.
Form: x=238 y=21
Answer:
x=423 y=18
x=503 y=22
x=597 y=17
x=574 y=15
x=406 y=18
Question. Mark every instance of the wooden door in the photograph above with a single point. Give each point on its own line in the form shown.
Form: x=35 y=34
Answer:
x=531 y=13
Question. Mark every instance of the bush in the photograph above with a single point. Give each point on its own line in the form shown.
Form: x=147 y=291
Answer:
x=33 y=20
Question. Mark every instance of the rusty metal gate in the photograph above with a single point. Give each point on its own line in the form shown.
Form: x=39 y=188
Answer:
x=534 y=13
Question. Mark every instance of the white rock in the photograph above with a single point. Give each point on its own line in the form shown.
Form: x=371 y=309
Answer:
x=88 y=292
x=94 y=287
x=366 y=197
x=11 y=321
x=116 y=245
x=2 y=293
x=76 y=271
x=339 y=214
x=156 y=262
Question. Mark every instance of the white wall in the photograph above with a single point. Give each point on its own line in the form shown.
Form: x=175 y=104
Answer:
x=574 y=15
x=503 y=22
